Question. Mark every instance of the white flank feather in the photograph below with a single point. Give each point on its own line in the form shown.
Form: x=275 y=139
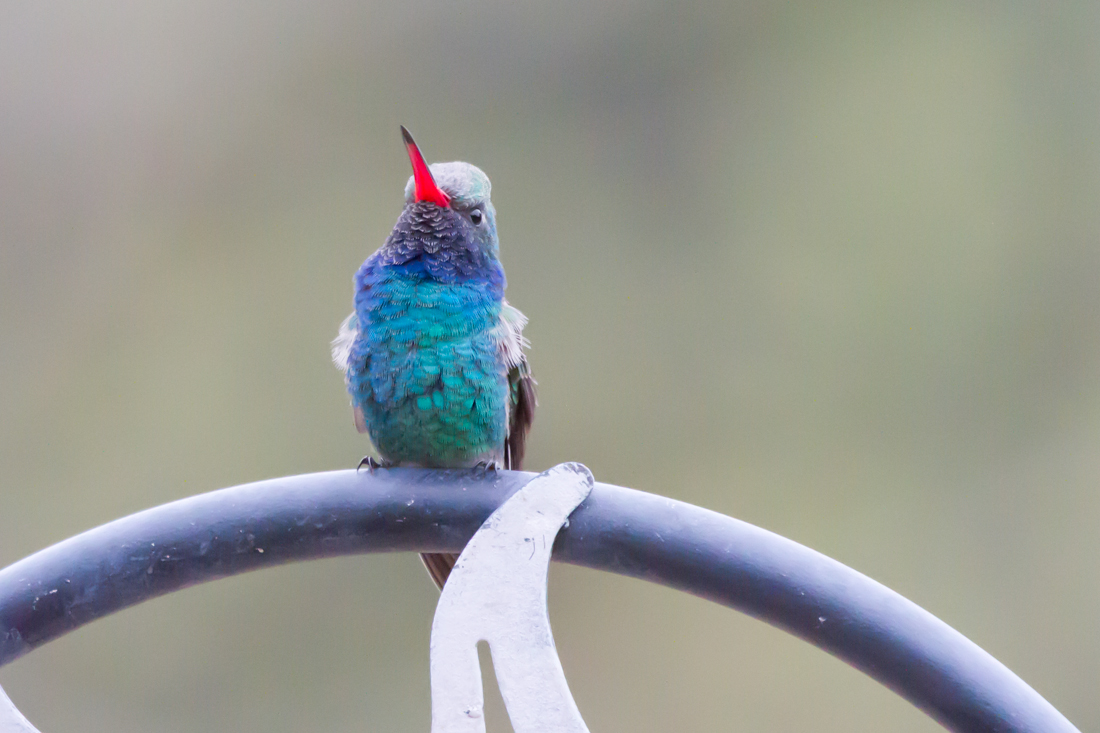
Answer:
x=510 y=334
x=345 y=338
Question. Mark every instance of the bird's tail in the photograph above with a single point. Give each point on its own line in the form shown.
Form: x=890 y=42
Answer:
x=439 y=566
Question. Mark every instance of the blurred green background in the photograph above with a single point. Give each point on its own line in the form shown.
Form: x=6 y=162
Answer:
x=829 y=269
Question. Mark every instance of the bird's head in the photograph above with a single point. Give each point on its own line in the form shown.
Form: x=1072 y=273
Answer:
x=460 y=190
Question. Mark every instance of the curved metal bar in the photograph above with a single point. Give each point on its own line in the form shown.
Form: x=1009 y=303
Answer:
x=619 y=530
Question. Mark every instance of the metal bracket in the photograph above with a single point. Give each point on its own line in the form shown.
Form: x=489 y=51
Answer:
x=497 y=593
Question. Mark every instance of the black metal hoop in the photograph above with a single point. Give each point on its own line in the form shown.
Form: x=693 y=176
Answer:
x=620 y=530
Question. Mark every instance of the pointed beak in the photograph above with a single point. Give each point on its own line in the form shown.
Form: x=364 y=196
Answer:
x=426 y=190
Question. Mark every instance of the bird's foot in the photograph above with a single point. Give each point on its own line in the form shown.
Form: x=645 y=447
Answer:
x=371 y=463
x=484 y=467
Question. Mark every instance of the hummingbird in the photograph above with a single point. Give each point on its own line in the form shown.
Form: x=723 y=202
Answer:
x=433 y=355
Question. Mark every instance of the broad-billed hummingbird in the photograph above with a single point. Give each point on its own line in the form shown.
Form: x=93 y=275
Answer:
x=433 y=354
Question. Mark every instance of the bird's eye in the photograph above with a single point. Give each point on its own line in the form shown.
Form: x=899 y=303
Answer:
x=475 y=216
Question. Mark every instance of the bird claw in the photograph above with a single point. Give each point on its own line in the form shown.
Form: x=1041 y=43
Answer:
x=371 y=464
x=484 y=467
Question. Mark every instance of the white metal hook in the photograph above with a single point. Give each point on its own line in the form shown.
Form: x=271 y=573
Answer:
x=497 y=593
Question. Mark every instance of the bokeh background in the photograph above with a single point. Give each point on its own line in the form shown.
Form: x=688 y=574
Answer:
x=832 y=269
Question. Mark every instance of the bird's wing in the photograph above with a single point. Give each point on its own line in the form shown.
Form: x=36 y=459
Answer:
x=343 y=357
x=521 y=385
x=522 y=414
